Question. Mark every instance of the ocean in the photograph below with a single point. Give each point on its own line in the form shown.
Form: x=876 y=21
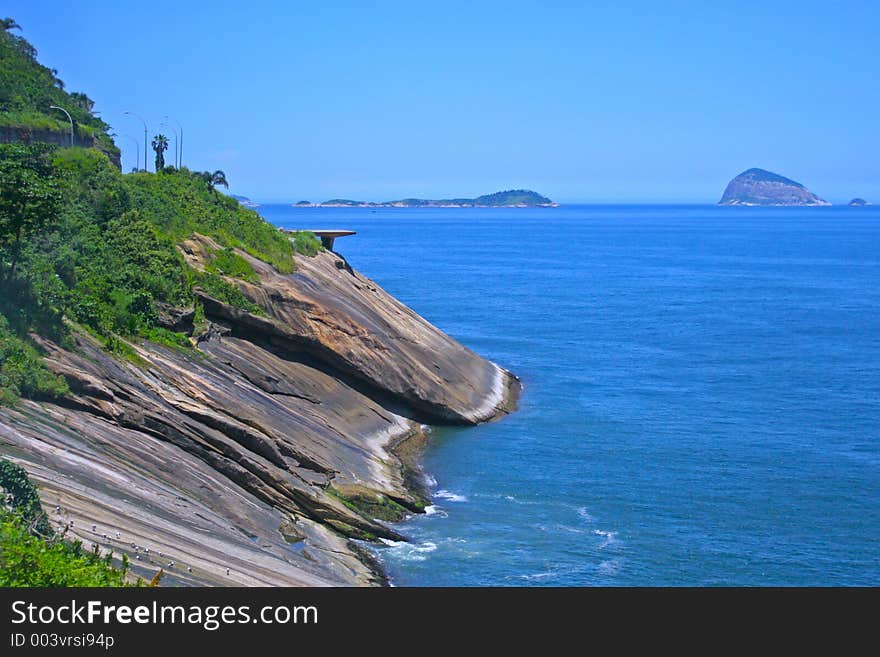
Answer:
x=701 y=399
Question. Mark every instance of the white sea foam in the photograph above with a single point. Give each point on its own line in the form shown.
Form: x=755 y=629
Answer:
x=583 y=513
x=535 y=576
x=516 y=500
x=609 y=567
x=378 y=442
x=410 y=551
x=493 y=400
x=559 y=527
x=430 y=481
x=434 y=510
x=452 y=497
x=609 y=537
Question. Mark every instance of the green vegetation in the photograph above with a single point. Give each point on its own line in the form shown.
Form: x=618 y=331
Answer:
x=80 y=240
x=214 y=179
x=345 y=202
x=22 y=371
x=160 y=145
x=21 y=497
x=31 y=554
x=84 y=247
x=181 y=203
x=27 y=89
x=228 y=263
x=512 y=197
x=370 y=505
x=306 y=243
x=28 y=560
x=30 y=198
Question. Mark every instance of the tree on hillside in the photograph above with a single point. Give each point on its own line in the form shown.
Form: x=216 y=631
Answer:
x=213 y=179
x=219 y=178
x=30 y=198
x=160 y=145
x=84 y=102
x=7 y=24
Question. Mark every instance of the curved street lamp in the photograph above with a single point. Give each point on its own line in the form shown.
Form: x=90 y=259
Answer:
x=68 y=118
x=180 y=128
x=145 y=135
x=176 y=139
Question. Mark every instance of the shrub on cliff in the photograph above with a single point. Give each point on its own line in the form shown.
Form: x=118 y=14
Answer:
x=20 y=496
x=228 y=263
x=180 y=204
x=22 y=371
x=306 y=243
x=31 y=554
x=27 y=560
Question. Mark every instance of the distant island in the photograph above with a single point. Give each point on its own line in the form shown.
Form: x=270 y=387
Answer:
x=858 y=203
x=514 y=198
x=245 y=201
x=760 y=187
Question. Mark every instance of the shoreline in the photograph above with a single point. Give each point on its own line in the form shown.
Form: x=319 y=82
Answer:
x=410 y=446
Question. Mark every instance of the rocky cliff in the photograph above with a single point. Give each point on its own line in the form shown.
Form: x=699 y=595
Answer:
x=258 y=456
x=25 y=135
x=760 y=187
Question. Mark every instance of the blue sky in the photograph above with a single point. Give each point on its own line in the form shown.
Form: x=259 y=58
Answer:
x=582 y=101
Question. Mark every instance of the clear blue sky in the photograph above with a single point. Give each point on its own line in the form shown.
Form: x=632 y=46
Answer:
x=582 y=101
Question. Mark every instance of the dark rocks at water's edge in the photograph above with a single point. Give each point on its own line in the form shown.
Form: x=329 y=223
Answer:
x=858 y=203
x=258 y=456
x=760 y=187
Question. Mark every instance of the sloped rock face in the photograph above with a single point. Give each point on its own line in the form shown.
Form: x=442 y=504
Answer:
x=760 y=187
x=251 y=451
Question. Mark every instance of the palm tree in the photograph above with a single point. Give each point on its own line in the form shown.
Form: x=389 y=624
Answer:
x=7 y=24
x=211 y=179
x=219 y=178
x=160 y=145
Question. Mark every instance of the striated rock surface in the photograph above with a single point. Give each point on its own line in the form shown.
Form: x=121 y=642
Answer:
x=268 y=447
x=760 y=187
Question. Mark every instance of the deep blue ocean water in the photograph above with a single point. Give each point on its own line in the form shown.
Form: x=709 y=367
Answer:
x=702 y=391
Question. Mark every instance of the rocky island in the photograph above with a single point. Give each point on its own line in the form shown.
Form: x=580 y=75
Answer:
x=858 y=203
x=760 y=187
x=515 y=198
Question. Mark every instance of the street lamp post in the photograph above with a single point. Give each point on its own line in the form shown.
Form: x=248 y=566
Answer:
x=137 y=147
x=68 y=118
x=145 y=135
x=180 y=138
x=176 y=140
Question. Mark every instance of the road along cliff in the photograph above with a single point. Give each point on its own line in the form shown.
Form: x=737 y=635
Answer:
x=269 y=451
